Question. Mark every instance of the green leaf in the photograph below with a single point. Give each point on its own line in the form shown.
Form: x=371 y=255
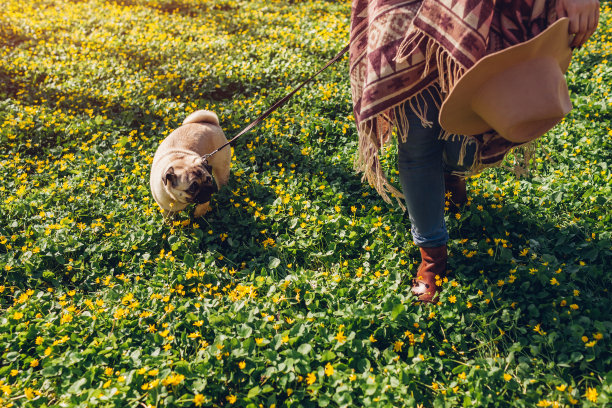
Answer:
x=75 y=388
x=253 y=392
x=304 y=349
x=323 y=401
x=274 y=263
x=328 y=355
x=189 y=261
x=399 y=308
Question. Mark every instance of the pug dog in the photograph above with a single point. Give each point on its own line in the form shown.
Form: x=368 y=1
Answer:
x=179 y=175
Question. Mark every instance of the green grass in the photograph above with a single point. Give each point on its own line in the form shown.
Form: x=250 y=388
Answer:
x=294 y=290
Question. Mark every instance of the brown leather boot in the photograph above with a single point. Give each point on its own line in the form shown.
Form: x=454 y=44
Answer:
x=455 y=185
x=433 y=263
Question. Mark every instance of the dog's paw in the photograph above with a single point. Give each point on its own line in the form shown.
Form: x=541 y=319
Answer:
x=201 y=209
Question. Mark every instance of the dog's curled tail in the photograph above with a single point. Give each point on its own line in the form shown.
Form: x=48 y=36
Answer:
x=202 y=116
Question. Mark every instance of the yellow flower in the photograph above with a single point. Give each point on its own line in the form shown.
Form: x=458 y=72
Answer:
x=462 y=376
x=372 y=339
x=231 y=399
x=452 y=298
x=329 y=369
x=173 y=379
x=507 y=377
x=29 y=393
x=544 y=403
x=538 y=330
x=397 y=346
x=554 y=281
x=241 y=365
x=340 y=337
x=591 y=394
x=561 y=387
x=311 y=378
x=34 y=363
x=199 y=399
x=574 y=306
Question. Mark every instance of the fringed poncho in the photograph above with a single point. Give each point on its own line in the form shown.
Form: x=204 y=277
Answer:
x=402 y=49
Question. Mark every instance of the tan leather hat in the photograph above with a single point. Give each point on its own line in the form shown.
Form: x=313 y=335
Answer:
x=520 y=92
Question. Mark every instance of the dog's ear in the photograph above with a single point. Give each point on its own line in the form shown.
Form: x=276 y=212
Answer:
x=207 y=166
x=169 y=176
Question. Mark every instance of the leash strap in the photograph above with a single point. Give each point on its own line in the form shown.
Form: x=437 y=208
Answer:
x=278 y=103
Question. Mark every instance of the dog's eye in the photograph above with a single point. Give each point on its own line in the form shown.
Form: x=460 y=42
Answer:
x=193 y=187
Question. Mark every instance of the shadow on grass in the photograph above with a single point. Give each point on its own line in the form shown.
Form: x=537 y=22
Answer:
x=559 y=279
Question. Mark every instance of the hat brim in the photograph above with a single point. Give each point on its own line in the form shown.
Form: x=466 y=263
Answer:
x=457 y=115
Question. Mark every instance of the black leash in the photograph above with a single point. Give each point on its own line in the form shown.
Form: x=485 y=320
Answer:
x=276 y=105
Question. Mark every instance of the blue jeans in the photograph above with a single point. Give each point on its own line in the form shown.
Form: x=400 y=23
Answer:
x=422 y=160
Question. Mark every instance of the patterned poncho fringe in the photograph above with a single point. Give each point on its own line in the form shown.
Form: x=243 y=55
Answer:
x=402 y=49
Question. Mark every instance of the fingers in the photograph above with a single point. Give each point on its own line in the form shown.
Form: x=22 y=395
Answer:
x=574 y=28
x=581 y=33
x=592 y=25
x=583 y=15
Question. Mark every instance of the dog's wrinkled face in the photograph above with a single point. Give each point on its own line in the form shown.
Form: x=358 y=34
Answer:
x=189 y=180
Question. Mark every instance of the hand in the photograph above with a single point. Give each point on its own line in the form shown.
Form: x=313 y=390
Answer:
x=583 y=15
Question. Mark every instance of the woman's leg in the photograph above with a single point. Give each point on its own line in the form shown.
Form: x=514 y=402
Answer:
x=421 y=168
x=422 y=160
x=421 y=171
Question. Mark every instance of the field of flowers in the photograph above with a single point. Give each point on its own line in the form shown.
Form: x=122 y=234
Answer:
x=294 y=290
